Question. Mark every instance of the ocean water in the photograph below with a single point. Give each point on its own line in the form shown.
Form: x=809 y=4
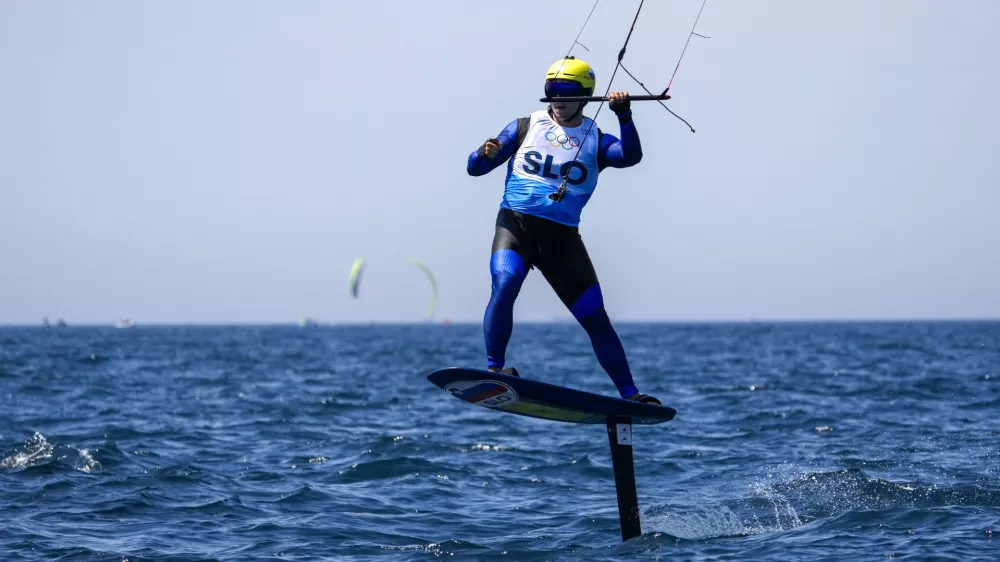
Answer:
x=837 y=441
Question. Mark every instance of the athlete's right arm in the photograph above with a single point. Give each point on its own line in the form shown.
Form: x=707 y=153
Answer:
x=480 y=163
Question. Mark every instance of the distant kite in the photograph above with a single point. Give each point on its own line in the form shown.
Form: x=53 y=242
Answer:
x=359 y=265
x=356 y=268
x=434 y=286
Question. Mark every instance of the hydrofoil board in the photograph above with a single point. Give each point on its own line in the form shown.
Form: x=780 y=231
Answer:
x=517 y=395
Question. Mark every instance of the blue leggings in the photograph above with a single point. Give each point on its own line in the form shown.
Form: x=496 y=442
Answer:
x=523 y=241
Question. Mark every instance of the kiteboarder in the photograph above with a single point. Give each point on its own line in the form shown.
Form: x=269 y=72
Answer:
x=553 y=160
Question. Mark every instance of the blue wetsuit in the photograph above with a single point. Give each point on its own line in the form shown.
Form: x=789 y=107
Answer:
x=534 y=228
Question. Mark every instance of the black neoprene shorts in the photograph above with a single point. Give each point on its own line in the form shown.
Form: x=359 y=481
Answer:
x=555 y=249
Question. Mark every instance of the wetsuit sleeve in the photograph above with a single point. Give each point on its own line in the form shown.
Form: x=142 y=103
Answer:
x=620 y=153
x=479 y=164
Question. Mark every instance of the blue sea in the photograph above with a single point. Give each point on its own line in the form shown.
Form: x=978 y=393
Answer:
x=792 y=442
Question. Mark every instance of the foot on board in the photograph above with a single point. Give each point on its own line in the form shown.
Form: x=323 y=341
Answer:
x=509 y=371
x=644 y=398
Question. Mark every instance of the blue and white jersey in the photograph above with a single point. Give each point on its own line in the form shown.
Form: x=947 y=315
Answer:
x=546 y=151
x=547 y=154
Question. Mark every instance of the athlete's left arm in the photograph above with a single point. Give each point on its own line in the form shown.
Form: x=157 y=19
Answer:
x=620 y=153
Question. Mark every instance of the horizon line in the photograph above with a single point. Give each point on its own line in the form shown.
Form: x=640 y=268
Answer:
x=444 y=322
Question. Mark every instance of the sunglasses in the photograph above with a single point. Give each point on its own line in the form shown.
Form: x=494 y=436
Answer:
x=559 y=88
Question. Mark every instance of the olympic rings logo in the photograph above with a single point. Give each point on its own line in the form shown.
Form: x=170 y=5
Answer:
x=568 y=143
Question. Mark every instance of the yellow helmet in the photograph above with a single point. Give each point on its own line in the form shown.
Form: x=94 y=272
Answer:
x=570 y=77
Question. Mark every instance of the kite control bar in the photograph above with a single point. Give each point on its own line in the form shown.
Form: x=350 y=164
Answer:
x=662 y=97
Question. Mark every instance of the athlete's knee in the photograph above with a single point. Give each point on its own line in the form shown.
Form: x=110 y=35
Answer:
x=508 y=271
x=589 y=303
x=589 y=310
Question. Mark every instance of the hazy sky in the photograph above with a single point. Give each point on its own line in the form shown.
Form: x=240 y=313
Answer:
x=226 y=161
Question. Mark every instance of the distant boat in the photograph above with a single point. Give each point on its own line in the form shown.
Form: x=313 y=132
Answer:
x=60 y=323
x=45 y=321
x=306 y=322
x=124 y=323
